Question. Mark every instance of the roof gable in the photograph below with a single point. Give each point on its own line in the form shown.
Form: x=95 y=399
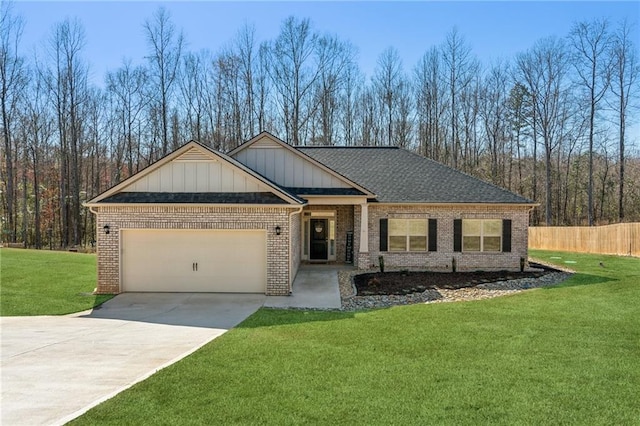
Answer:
x=194 y=169
x=290 y=168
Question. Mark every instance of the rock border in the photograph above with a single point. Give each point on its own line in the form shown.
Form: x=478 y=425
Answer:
x=352 y=302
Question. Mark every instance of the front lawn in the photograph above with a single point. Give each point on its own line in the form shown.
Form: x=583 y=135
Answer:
x=561 y=355
x=42 y=282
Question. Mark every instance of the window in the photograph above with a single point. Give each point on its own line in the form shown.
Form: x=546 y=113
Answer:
x=481 y=235
x=407 y=235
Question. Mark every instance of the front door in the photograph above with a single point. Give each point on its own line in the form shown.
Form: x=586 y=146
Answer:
x=319 y=241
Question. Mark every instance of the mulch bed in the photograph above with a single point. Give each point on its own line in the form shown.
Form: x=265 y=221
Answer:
x=408 y=282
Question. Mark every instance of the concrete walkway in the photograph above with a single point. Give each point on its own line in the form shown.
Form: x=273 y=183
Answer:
x=54 y=368
x=315 y=287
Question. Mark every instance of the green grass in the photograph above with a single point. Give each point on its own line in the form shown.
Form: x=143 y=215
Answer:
x=563 y=355
x=40 y=282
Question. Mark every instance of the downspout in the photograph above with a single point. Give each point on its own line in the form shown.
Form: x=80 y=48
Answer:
x=297 y=211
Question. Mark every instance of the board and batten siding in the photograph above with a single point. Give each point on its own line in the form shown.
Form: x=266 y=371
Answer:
x=194 y=174
x=286 y=168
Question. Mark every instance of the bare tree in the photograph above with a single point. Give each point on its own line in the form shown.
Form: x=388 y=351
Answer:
x=370 y=126
x=431 y=104
x=337 y=57
x=353 y=86
x=387 y=80
x=263 y=89
x=128 y=85
x=591 y=46
x=39 y=131
x=470 y=146
x=544 y=69
x=245 y=44
x=460 y=68
x=626 y=71
x=295 y=70
x=12 y=83
x=67 y=81
x=227 y=66
x=493 y=113
x=164 y=57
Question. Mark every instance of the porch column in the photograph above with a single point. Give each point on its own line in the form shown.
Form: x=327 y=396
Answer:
x=364 y=228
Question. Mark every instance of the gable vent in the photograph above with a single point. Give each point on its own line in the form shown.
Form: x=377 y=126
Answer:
x=194 y=155
x=265 y=143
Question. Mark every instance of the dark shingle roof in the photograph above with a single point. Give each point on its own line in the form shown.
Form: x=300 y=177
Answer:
x=195 y=198
x=324 y=191
x=399 y=176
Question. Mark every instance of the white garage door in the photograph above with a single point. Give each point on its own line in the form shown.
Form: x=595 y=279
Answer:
x=194 y=261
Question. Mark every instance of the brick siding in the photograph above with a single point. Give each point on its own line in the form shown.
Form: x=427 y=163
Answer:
x=194 y=217
x=442 y=258
x=284 y=250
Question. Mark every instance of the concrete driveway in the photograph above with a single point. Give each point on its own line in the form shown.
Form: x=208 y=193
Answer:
x=56 y=367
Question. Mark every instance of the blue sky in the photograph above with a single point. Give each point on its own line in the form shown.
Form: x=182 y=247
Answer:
x=494 y=30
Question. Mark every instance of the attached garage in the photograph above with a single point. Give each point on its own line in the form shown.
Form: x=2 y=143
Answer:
x=195 y=221
x=228 y=261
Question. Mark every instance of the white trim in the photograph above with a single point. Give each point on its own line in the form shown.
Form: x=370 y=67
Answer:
x=323 y=200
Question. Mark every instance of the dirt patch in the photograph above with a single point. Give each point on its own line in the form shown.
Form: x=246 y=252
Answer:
x=409 y=282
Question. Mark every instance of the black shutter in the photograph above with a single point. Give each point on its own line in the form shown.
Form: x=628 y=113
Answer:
x=457 y=234
x=506 y=235
x=384 y=225
x=433 y=234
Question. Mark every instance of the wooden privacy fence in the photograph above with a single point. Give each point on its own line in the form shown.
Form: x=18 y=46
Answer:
x=622 y=239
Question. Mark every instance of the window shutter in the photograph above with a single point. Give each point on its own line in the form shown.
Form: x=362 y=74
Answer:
x=457 y=234
x=506 y=235
x=384 y=226
x=433 y=234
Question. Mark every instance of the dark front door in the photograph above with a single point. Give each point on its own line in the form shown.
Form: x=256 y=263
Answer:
x=319 y=240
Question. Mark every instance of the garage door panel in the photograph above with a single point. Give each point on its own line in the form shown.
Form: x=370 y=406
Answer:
x=194 y=261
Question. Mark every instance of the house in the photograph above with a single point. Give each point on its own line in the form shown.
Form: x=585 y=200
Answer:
x=199 y=220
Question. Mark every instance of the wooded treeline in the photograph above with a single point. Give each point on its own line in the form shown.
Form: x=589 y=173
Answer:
x=549 y=124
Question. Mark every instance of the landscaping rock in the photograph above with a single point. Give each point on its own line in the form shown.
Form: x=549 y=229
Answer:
x=351 y=301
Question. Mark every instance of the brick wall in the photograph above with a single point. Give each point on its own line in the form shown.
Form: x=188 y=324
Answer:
x=194 y=217
x=442 y=258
